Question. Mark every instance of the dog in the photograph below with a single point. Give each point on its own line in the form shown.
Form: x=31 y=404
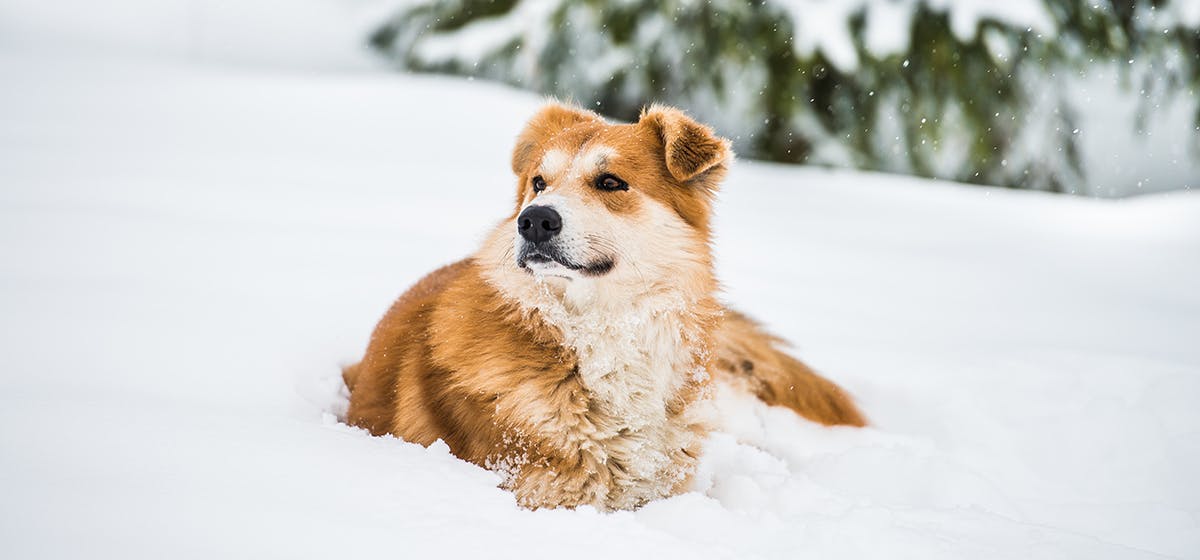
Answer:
x=576 y=351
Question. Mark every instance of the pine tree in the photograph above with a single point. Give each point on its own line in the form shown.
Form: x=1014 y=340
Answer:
x=968 y=90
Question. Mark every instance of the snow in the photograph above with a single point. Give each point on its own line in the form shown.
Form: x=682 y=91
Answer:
x=888 y=28
x=191 y=246
x=473 y=42
x=1161 y=153
x=967 y=15
x=1188 y=12
x=825 y=25
x=310 y=34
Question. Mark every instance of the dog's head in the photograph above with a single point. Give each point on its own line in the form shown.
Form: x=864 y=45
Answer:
x=614 y=203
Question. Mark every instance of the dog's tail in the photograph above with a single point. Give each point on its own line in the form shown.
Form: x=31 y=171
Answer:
x=751 y=357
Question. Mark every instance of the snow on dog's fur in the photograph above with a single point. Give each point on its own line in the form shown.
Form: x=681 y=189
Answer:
x=574 y=351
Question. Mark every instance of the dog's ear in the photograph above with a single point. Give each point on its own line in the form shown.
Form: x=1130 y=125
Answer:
x=550 y=120
x=690 y=147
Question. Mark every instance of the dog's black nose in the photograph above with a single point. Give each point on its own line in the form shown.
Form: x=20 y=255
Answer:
x=539 y=223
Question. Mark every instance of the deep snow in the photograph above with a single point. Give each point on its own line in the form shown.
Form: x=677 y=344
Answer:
x=188 y=252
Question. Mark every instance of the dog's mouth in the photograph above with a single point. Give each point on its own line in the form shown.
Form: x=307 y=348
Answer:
x=543 y=258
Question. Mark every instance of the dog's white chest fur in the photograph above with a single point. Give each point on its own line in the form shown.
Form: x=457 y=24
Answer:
x=633 y=360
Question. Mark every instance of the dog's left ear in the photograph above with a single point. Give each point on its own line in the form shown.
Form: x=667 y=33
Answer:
x=690 y=147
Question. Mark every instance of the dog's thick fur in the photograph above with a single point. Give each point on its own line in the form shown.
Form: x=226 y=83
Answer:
x=580 y=368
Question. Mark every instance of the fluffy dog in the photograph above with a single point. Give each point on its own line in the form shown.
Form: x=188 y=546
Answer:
x=574 y=352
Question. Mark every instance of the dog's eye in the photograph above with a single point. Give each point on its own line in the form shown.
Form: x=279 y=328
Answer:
x=539 y=184
x=610 y=182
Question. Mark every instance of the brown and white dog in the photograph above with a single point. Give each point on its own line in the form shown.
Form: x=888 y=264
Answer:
x=574 y=352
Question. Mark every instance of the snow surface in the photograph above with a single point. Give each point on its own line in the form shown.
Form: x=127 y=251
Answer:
x=188 y=251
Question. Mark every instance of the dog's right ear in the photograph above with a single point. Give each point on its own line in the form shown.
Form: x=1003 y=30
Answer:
x=550 y=120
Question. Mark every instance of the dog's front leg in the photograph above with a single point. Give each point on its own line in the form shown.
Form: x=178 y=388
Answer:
x=566 y=480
